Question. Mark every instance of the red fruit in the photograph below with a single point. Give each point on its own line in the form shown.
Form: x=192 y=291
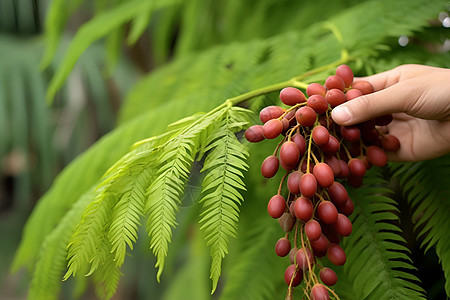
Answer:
x=343 y=226
x=303 y=209
x=376 y=156
x=335 y=97
x=344 y=169
x=306 y=116
x=320 y=246
x=276 y=206
x=289 y=153
x=333 y=162
x=352 y=94
x=327 y=212
x=364 y=86
x=320 y=135
x=293 y=254
x=291 y=96
x=338 y=194
x=313 y=230
x=305 y=165
x=390 y=143
x=293 y=182
x=383 y=120
x=315 y=89
x=347 y=208
x=299 y=140
x=270 y=166
x=357 y=167
x=355 y=181
x=286 y=222
x=350 y=133
x=328 y=276
x=254 y=134
x=319 y=292
x=336 y=255
x=305 y=259
x=332 y=146
x=324 y=174
x=272 y=129
x=283 y=247
x=346 y=73
x=334 y=82
x=308 y=185
x=293 y=275
x=318 y=103
x=331 y=234
x=270 y=112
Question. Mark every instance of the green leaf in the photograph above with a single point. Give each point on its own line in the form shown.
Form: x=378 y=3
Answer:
x=224 y=164
x=375 y=256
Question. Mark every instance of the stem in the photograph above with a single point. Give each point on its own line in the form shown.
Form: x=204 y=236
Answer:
x=281 y=183
x=309 y=153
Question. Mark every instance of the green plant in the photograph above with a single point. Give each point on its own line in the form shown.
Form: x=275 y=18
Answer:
x=97 y=203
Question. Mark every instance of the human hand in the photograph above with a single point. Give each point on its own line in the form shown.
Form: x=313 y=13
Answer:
x=419 y=99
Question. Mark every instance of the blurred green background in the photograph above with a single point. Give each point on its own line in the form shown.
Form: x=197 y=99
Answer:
x=38 y=140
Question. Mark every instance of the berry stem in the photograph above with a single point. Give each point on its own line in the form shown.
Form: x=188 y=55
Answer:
x=281 y=183
x=309 y=153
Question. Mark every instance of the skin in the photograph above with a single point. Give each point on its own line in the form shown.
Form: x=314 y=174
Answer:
x=418 y=97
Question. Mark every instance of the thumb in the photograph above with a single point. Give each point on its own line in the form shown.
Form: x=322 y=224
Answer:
x=366 y=107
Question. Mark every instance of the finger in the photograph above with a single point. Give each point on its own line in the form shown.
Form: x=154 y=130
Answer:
x=382 y=80
x=394 y=99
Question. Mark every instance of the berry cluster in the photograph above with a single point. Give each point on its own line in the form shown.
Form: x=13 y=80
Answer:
x=315 y=152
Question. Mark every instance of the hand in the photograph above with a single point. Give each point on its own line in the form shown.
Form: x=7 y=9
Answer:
x=419 y=99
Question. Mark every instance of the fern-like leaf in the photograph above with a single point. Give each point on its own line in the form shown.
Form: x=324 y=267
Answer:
x=376 y=251
x=165 y=192
x=224 y=165
x=426 y=188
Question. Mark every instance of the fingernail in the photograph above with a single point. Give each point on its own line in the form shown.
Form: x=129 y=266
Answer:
x=341 y=114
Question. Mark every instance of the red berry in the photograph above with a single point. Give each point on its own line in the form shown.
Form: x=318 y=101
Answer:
x=291 y=96
x=304 y=259
x=318 y=103
x=289 y=153
x=254 y=134
x=293 y=275
x=350 y=133
x=324 y=174
x=320 y=246
x=376 y=156
x=303 y=209
x=293 y=182
x=346 y=73
x=320 y=135
x=283 y=247
x=308 y=185
x=306 y=116
x=272 y=129
x=270 y=166
x=270 y=112
x=327 y=212
x=343 y=226
x=364 y=86
x=390 y=143
x=286 y=222
x=336 y=255
x=334 y=82
x=332 y=146
x=299 y=140
x=276 y=206
x=384 y=120
x=315 y=89
x=344 y=169
x=338 y=194
x=328 y=276
x=357 y=167
x=335 y=97
x=313 y=230
x=319 y=292
x=347 y=208
x=352 y=94
x=333 y=162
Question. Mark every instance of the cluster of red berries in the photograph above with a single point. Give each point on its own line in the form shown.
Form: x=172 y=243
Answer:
x=315 y=152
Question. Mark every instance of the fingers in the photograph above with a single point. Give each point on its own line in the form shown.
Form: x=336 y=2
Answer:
x=394 y=99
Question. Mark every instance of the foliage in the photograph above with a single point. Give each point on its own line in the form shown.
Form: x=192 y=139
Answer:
x=97 y=203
